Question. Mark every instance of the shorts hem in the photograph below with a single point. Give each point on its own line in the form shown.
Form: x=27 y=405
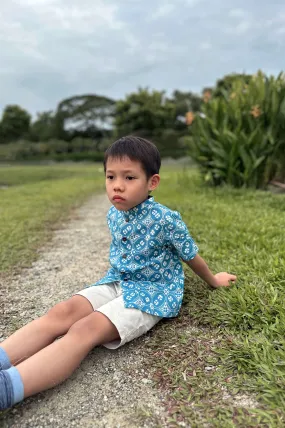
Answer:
x=115 y=344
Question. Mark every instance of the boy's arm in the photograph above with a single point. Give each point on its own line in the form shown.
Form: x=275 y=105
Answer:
x=199 y=266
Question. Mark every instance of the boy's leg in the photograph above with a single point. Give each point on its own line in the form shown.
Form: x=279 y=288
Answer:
x=41 y=332
x=56 y=362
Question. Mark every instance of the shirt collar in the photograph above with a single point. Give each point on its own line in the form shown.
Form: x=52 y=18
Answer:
x=138 y=208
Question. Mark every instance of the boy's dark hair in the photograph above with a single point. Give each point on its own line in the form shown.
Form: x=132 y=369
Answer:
x=137 y=149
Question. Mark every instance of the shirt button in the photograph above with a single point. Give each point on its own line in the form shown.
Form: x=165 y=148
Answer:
x=127 y=220
x=125 y=279
x=124 y=239
x=124 y=256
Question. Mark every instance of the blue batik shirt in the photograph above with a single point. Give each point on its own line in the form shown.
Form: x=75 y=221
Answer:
x=148 y=242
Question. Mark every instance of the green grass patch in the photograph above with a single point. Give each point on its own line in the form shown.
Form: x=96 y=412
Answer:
x=39 y=197
x=15 y=175
x=223 y=359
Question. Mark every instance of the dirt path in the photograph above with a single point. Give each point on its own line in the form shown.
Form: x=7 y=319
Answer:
x=110 y=389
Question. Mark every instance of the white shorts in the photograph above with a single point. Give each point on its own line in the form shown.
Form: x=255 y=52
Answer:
x=130 y=322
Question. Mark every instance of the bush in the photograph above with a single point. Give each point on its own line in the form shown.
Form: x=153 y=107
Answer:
x=239 y=138
x=79 y=156
x=170 y=144
x=77 y=150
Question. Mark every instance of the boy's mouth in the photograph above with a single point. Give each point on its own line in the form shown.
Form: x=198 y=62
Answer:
x=118 y=198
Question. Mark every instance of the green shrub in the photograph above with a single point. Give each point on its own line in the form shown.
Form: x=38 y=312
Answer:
x=57 y=146
x=171 y=144
x=77 y=150
x=239 y=138
x=79 y=156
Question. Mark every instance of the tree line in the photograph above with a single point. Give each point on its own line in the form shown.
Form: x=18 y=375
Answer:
x=97 y=119
x=95 y=116
x=235 y=131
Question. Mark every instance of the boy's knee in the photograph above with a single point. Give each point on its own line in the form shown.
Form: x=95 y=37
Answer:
x=82 y=327
x=70 y=310
x=60 y=312
x=94 y=329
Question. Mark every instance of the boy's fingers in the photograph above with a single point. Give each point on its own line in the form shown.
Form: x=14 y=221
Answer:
x=233 y=278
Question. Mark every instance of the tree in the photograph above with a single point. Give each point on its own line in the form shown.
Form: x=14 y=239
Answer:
x=84 y=113
x=144 y=113
x=43 y=128
x=15 y=123
x=2 y=139
x=186 y=101
x=150 y=115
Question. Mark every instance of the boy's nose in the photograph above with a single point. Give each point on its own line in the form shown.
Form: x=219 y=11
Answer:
x=118 y=185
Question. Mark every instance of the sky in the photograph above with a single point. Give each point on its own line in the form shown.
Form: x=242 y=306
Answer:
x=55 y=49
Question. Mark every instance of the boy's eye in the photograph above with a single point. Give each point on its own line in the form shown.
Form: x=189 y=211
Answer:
x=111 y=177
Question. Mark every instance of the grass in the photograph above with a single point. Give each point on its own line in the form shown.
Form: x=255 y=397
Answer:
x=15 y=175
x=227 y=346
x=222 y=361
x=36 y=198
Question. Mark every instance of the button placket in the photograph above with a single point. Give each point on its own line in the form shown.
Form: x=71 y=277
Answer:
x=124 y=239
x=124 y=278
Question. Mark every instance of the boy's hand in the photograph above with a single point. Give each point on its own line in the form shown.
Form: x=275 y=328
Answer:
x=199 y=266
x=224 y=279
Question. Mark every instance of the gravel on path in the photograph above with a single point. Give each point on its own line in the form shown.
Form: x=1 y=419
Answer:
x=110 y=389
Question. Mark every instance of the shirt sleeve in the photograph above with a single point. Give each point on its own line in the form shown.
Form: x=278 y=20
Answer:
x=179 y=237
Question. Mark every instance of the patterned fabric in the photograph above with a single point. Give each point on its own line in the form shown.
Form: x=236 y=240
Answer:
x=147 y=244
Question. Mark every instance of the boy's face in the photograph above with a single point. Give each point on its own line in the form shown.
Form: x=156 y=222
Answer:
x=127 y=184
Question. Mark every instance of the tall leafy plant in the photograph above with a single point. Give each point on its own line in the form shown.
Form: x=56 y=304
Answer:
x=239 y=137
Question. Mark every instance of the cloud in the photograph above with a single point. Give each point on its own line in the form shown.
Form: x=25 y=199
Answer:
x=237 y=13
x=163 y=10
x=52 y=49
x=241 y=27
x=205 y=46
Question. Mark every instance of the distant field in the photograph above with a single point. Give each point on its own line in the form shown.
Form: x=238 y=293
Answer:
x=15 y=175
x=32 y=198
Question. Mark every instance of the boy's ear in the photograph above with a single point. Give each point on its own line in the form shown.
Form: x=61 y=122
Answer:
x=153 y=182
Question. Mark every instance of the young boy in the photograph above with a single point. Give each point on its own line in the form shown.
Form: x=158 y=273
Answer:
x=143 y=285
